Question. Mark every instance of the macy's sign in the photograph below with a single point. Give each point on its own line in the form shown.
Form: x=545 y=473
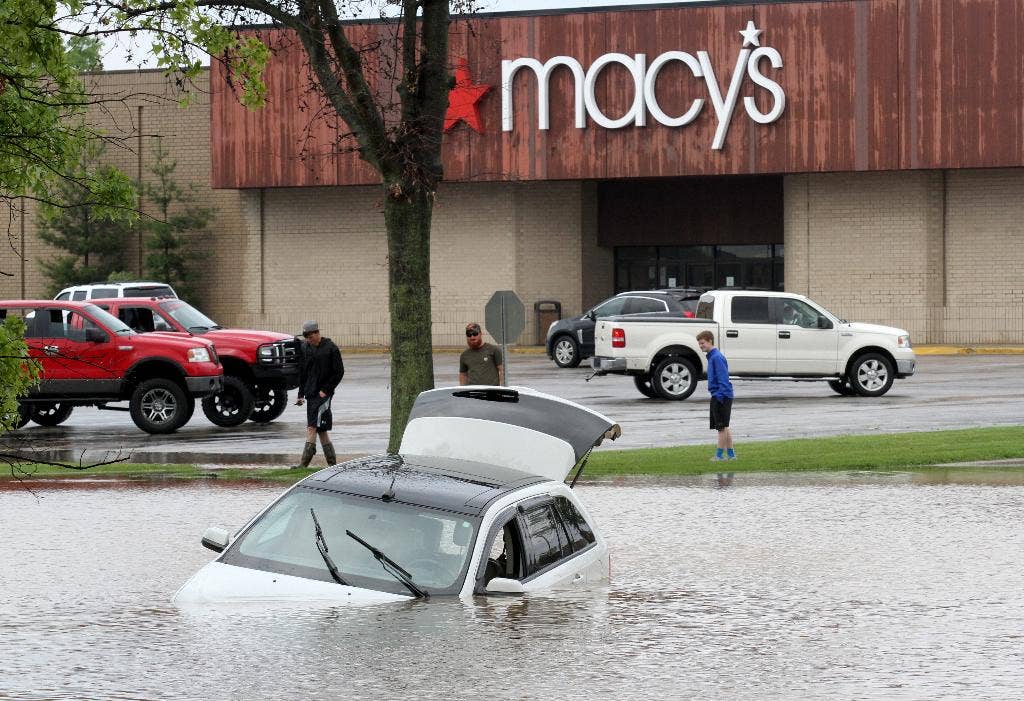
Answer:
x=645 y=78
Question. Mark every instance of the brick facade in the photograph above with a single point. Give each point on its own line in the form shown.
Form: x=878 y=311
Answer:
x=939 y=253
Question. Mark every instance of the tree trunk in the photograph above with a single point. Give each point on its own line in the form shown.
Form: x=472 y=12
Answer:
x=407 y=214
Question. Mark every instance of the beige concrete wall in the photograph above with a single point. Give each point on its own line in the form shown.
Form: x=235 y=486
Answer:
x=132 y=110
x=325 y=257
x=940 y=254
x=984 y=257
x=548 y=238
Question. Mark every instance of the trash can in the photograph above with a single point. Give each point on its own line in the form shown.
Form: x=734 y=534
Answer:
x=546 y=311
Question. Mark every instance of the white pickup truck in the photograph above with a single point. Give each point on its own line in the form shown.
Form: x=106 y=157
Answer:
x=776 y=335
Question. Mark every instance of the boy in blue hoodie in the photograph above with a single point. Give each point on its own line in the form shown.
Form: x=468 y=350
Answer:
x=721 y=395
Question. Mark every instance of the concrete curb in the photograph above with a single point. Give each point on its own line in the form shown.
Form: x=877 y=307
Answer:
x=936 y=349
x=968 y=350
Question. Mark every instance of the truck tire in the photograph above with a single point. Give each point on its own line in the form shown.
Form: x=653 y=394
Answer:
x=270 y=402
x=24 y=414
x=51 y=413
x=159 y=405
x=871 y=375
x=232 y=405
x=643 y=384
x=674 y=378
x=841 y=387
x=566 y=352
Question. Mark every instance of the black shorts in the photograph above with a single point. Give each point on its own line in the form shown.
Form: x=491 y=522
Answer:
x=318 y=413
x=720 y=413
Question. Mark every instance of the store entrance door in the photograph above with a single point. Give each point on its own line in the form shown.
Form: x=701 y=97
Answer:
x=654 y=267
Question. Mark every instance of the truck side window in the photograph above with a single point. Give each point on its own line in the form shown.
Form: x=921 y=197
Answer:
x=139 y=319
x=751 y=310
x=797 y=313
x=705 y=310
x=75 y=325
x=48 y=323
x=78 y=295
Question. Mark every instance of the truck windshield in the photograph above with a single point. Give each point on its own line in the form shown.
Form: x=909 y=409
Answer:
x=108 y=320
x=434 y=546
x=188 y=316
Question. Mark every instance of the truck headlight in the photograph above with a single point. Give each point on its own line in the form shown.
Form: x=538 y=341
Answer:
x=198 y=355
x=903 y=341
x=266 y=351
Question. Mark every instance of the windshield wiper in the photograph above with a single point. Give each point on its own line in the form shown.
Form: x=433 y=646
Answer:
x=200 y=329
x=391 y=567
x=321 y=545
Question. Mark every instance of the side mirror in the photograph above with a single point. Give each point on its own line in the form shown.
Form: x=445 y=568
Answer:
x=824 y=323
x=216 y=538
x=93 y=335
x=501 y=585
x=592 y=315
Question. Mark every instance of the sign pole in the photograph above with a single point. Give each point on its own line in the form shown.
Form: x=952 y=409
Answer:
x=504 y=341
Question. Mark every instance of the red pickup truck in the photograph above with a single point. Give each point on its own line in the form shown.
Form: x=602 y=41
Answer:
x=89 y=358
x=259 y=366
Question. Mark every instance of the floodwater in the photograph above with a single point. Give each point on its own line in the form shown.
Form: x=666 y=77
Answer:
x=840 y=586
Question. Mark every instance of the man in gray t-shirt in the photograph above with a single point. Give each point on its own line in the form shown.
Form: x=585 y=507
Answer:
x=480 y=363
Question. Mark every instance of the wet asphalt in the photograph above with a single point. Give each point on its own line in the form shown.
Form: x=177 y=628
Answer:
x=947 y=392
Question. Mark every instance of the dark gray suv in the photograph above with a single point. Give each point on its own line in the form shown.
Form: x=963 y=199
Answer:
x=571 y=340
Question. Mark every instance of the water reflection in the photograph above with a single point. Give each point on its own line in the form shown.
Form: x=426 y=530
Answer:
x=846 y=585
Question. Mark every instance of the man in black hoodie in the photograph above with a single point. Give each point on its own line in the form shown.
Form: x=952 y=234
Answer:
x=320 y=372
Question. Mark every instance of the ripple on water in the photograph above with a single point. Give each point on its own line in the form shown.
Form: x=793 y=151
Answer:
x=845 y=585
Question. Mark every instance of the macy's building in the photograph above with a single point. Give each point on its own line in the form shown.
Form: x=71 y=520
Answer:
x=866 y=153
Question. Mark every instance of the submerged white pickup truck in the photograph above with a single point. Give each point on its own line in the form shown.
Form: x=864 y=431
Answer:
x=770 y=335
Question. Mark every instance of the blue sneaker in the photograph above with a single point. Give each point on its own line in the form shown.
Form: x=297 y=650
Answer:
x=718 y=458
x=729 y=457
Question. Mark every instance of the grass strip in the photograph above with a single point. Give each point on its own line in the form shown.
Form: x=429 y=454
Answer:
x=888 y=451
x=883 y=451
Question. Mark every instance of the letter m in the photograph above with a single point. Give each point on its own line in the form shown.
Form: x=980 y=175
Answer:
x=543 y=73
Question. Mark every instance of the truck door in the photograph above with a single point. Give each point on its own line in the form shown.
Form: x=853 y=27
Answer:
x=807 y=340
x=748 y=336
x=45 y=336
x=84 y=354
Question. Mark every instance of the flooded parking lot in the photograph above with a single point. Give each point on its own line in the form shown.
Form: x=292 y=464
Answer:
x=880 y=586
x=947 y=392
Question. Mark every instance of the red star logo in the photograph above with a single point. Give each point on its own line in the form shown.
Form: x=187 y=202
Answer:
x=462 y=100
